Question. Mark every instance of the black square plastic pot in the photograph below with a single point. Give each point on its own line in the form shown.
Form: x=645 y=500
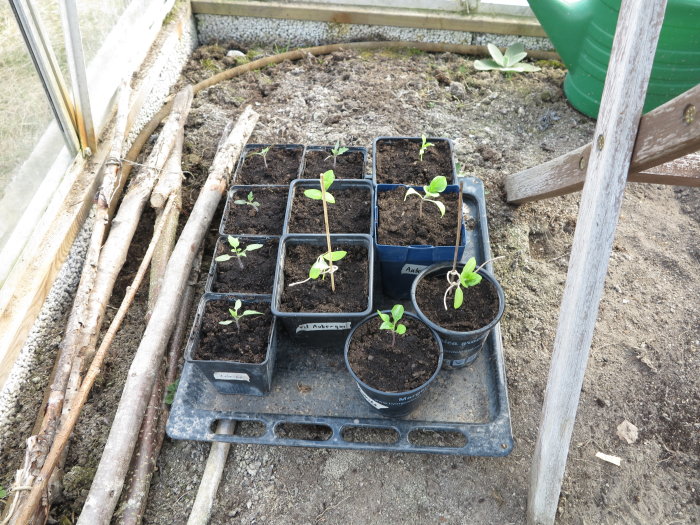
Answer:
x=399 y=265
x=252 y=148
x=327 y=151
x=392 y=404
x=232 y=377
x=461 y=348
x=241 y=192
x=451 y=176
x=245 y=240
x=321 y=328
x=339 y=184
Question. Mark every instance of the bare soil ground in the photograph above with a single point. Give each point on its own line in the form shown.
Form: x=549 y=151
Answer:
x=644 y=364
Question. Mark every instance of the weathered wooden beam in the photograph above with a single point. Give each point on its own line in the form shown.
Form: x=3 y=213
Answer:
x=636 y=36
x=338 y=14
x=665 y=133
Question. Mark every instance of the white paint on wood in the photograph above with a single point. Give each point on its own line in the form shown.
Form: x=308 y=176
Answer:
x=633 y=50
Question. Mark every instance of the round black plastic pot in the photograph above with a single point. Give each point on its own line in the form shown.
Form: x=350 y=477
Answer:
x=320 y=328
x=300 y=185
x=461 y=348
x=232 y=377
x=392 y=404
x=399 y=265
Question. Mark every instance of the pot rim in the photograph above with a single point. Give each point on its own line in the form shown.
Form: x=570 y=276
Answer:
x=444 y=265
x=373 y=390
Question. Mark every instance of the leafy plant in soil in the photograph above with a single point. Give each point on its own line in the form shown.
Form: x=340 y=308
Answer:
x=468 y=277
x=508 y=62
x=336 y=152
x=236 y=317
x=238 y=251
x=322 y=195
x=391 y=322
x=263 y=153
x=250 y=201
x=424 y=146
x=323 y=266
x=430 y=194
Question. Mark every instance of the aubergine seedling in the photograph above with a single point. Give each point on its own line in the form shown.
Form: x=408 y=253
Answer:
x=323 y=266
x=431 y=192
x=249 y=201
x=469 y=276
x=263 y=153
x=317 y=195
x=424 y=146
x=236 y=317
x=336 y=152
x=238 y=251
x=392 y=322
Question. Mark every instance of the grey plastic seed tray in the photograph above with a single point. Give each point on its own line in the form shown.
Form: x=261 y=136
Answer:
x=315 y=403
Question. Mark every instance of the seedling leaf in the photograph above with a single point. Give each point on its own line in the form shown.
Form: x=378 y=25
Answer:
x=250 y=312
x=383 y=316
x=486 y=64
x=514 y=54
x=234 y=242
x=496 y=54
x=334 y=256
x=386 y=325
x=401 y=329
x=252 y=247
x=223 y=258
x=459 y=297
x=229 y=321
x=437 y=185
x=397 y=312
x=314 y=272
x=317 y=195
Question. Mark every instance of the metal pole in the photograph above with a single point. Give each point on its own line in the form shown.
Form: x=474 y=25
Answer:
x=46 y=65
x=76 y=66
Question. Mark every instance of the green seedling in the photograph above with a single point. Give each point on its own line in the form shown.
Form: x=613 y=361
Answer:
x=238 y=251
x=317 y=195
x=424 y=146
x=3 y=492
x=236 y=317
x=170 y=392
x=392 y=322
x=336 y=152
x=323 y=266
x=263 y=153
x=431 y=192
x=469 y=276
x=508 y=62
x=250 y=201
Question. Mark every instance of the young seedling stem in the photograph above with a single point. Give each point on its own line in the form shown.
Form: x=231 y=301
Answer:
x=336 y=152
x=392 y=322
x=424 y=146
x=323 y=266
x=250 y=201
x=468 y=277
x=236 y=317
x=430 y=193
x=263 y=153
x=237 y=251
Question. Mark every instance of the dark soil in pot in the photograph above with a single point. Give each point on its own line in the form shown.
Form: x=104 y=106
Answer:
x=225 y=343
x=398 y=162
x=282 y=166
x=400 y=224
x=480 y=305
x=255 y=277
x=349 y=165
x=350 y=214
x=407 y=365
x=243 y=219
x=351 y=281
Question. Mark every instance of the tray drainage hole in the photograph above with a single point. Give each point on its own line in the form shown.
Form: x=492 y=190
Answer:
x=370 y=435
x=304 y=431
x=425 y=437
x=244 y=427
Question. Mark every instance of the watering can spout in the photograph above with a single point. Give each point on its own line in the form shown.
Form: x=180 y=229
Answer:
x=566 y=23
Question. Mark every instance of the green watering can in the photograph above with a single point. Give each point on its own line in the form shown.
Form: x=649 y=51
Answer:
x=582 y=32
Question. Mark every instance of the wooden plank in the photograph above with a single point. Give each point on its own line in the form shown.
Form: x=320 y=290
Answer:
x=336 y=14
x=664 y=135
x=625 y=88
x=680 y=172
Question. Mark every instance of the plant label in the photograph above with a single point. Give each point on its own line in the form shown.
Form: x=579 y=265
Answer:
x=231 y=376
x=370 y=400
x=412 y=269
x=315 y=327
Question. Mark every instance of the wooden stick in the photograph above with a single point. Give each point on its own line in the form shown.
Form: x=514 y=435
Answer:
x=211 y=478
x=328 y=230
x=664 y=135
x=77 y=403
x=459 y=225
x=149 y=449
x=621 y=108
x=109 y=479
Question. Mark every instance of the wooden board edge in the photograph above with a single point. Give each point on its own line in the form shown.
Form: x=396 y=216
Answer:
x=339 y=14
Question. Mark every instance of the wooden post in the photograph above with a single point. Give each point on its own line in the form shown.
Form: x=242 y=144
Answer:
x=637 y=33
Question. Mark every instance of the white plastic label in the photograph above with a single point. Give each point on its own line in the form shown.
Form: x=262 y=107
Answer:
x=231 y=376
x=314 y=327
x=370 y=400
x=412 y=269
